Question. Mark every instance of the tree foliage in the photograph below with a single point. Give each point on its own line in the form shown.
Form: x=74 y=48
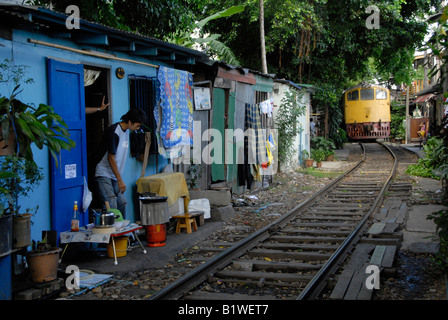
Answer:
x=155 y=18
x=170 y=20
x=207 y=42
x=307 y=41
x=329 y=44
x=327 y=40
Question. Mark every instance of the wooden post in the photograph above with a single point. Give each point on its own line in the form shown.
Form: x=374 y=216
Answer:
x=408 y=125
x=264 y=67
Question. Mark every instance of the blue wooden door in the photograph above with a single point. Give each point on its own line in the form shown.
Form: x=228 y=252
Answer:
x=66 y=95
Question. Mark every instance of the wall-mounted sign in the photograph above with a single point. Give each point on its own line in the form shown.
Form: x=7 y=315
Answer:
x=202 y=98
x=70 y=171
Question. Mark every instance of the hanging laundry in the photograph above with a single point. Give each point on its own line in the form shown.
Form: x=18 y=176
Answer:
x=267 y=106
x=256 y=135
x=265 y=165
x=264 y=105
x=174 y=111
x=271 y=142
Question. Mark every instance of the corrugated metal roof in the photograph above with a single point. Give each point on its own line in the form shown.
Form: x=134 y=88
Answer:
x=300 y=86
x=424 y=98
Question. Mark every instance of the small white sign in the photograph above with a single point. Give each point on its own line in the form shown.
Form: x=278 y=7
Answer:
x=202 y=98
x=70 y=171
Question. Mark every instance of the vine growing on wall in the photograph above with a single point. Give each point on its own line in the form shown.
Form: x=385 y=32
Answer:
x=288 y=125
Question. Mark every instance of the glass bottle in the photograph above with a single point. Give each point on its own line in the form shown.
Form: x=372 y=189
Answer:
x=75 y=220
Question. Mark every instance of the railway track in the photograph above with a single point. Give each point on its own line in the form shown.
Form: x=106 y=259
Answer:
x=293 y=256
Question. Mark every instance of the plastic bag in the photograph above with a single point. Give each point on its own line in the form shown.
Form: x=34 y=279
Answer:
x=200 y=205
x=86 y=197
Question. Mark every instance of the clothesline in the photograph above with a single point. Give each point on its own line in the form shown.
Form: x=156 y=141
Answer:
x=265 y=110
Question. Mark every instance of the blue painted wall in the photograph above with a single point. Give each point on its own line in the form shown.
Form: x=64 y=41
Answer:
x=34 y=56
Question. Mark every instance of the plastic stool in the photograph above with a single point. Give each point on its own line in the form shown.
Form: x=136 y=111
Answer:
x=185 y=222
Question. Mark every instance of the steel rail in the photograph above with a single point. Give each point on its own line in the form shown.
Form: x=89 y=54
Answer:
x=315 y=285
x=200 y=274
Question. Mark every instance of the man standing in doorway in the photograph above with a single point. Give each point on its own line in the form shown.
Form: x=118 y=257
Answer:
x=312 y=128
x=109 y=170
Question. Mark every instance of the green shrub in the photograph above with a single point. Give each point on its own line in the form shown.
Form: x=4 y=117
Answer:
x=326 y=147
x=421 y=171
x=434 y=163
x=440 y=218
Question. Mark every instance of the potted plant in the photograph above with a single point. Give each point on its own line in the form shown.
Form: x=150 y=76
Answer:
x=330 y=155
x=324 y=144
x=24 y=176
x=308 y=161
x=29 y=125
x=318 y=155
x=43 y=261
x=39 y=126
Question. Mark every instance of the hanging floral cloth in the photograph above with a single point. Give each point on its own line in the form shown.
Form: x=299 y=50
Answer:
x=174 y=111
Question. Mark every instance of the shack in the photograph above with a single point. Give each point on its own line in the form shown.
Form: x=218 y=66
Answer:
x=238 y=94
x=427 y=108
x=301 y=141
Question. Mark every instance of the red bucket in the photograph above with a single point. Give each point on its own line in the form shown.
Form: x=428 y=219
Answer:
x=156 y=235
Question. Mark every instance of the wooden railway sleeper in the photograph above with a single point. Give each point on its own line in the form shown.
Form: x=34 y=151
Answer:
x=252 y=246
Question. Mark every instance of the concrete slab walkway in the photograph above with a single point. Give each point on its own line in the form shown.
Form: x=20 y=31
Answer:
x=419 y=234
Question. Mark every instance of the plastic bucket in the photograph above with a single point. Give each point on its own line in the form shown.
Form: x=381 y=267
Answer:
x=121 y=247
x=156 y=235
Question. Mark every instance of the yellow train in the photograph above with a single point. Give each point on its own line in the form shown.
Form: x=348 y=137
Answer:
x=367 y=112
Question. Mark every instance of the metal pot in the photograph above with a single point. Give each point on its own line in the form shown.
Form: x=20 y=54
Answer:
x=105 y=219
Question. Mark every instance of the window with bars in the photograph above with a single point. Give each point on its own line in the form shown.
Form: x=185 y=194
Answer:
x=266 y=122
x=142 y=95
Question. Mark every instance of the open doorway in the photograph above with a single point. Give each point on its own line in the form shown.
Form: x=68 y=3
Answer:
x=96 y=84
